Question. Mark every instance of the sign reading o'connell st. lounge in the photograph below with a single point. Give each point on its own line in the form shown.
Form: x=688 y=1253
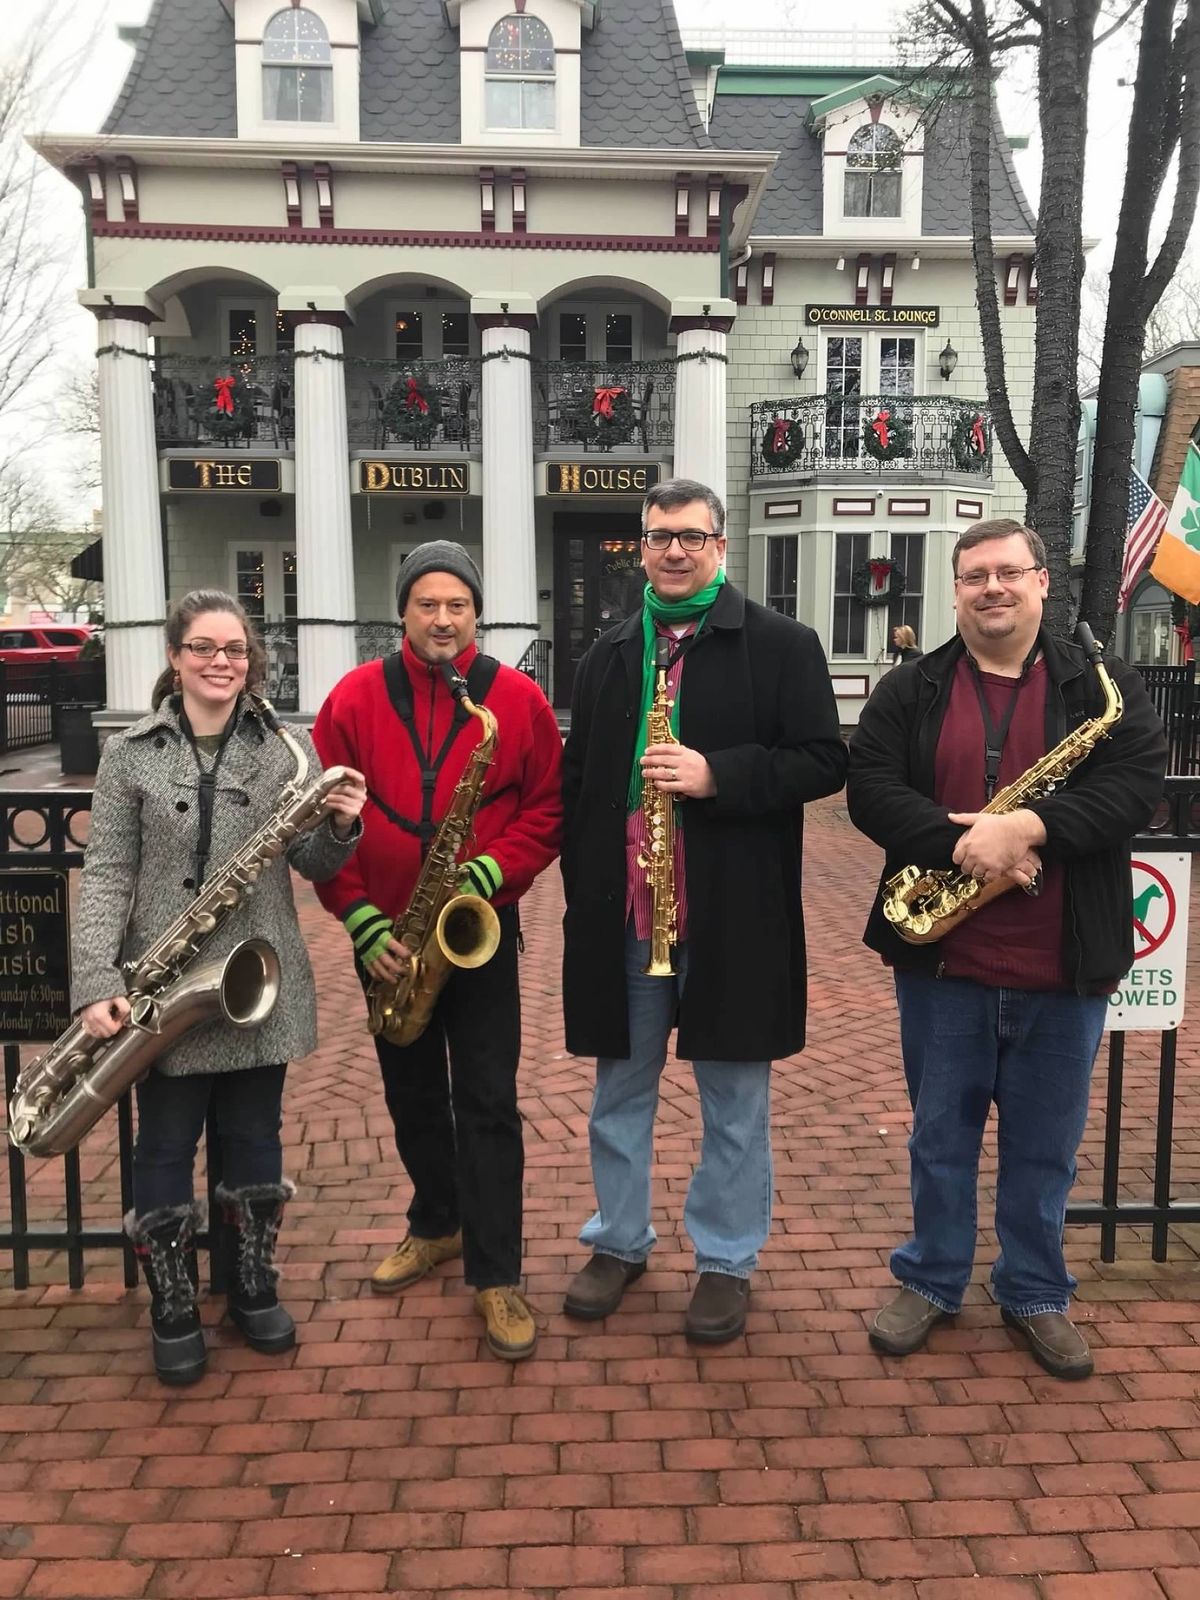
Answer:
x=872 y=316
x=406 y=477
x=581 y=477
x=199 y=473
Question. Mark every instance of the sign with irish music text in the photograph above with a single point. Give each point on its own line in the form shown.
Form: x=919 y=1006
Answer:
x=35 y=961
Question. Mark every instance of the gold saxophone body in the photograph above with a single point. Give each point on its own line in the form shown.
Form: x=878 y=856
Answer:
x=658 y=810
x=61 y=1096
x=442 y=927
x=924 y=905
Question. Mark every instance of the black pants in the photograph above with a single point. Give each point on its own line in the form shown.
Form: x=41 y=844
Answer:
x=459 y=1134
x=171 y=1117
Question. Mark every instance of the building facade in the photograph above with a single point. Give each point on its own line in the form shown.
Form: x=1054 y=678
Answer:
x=369 y=273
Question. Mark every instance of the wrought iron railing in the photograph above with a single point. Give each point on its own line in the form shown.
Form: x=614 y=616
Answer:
x=593 y=405
x=1173 y=691
x=535 y=663
x=225 y=402
x=413 y=405
x=281 y=638
x=829 y=433
x=32 y=694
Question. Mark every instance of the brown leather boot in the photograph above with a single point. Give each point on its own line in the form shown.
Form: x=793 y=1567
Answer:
x=717 y=1312
x=1055 y=1341
x=904 y=1324
x=596 y=1290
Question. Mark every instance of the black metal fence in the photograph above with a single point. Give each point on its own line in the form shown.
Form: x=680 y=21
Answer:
x=592 y=405
x=856 y=433
x=231 y=402
x=535 y=663
x=413 y=405
x=1173 y=691
x=32 y=694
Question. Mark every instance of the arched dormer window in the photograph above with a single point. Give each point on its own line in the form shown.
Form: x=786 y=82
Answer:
x=519 y=74
x=297 y=68
x=873 y=160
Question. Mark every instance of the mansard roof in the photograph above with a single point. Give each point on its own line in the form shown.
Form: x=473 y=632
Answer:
x=635 y=88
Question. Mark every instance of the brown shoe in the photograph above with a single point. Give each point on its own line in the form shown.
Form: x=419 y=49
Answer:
x=1056 y=1342
x=412 y=1260
x=904 y=1324
x=596 y=1290
x=717 y=1312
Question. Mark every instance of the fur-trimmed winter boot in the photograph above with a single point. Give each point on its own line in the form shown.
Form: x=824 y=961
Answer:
x=255 y=1213
x=164 y=1242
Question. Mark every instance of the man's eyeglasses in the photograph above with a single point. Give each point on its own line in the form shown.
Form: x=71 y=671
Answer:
x=1007 y=575
x=692 y=539
x=205 y=649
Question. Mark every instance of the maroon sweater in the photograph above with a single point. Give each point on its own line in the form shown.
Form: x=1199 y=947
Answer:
x=1015 y=942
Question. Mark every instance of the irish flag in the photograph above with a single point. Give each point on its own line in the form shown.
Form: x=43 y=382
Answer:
x=1176 y=562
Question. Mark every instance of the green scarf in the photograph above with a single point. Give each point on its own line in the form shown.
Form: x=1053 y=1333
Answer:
x=669 y=611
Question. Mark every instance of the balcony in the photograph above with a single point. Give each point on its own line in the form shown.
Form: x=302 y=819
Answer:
x=226 y=404
x=585 y=405
x=836 y=436
x=413 y=405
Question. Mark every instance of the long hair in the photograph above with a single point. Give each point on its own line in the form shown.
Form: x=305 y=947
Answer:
x=183 y=613
x=903 y=637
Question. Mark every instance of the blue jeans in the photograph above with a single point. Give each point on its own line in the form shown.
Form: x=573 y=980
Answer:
x=728 y=1209
x=171 y=1117
x=965 y=1046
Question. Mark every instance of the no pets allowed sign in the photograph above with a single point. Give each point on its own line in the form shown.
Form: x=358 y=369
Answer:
x=1150 y=997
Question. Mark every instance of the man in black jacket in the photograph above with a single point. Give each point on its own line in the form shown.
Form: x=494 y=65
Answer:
x=757 y=729
x=1009 y=1006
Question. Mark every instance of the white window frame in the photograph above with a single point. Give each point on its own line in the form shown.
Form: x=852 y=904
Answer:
x=551 y=77
x=869 y=534
x=273 y=552
x=595 y=314
x=431 y=312
x=898 y=169
x=295 y=66
x=264 y=314
x=871 y=338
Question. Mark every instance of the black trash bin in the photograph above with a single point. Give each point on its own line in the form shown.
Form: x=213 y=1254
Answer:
x=78 y=740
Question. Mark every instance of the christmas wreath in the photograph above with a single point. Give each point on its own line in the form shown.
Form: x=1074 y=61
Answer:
x=612 y=418
x=969 y=441
x=230 y=415
x=887 y=436
x=877 y=582
x=783 y=442
x=411 y=413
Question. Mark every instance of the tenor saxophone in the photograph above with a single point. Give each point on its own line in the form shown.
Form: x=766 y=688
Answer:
x=440 y=927
x=924 y=904
x=657 y=859
x=61 y=1096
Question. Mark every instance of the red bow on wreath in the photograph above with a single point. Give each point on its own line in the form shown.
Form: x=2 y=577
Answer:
x=880 y=569
x=602 y=402
x=879 y=427
x=1185 y=641
x=978 y=437
x=224 y=388
x=414 y=400
x=779 y=438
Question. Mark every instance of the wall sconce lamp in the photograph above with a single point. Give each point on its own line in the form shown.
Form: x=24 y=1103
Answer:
x=799 y=357
x=916 y=263
x=841 y=263
x=947 y=361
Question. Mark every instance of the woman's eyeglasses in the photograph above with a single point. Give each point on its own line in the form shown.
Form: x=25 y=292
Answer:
x=205 y=649
x=690 y=539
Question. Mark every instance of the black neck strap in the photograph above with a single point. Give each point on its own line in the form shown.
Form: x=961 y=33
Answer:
x=994 y=735
x=207 y=788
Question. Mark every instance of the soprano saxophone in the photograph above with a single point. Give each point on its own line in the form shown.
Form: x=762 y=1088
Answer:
x=924 y=904
x=657 y=859
x=61 y=1096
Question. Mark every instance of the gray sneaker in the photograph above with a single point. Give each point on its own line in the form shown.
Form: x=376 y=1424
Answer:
x=1055 y=1341
x=904 y=1324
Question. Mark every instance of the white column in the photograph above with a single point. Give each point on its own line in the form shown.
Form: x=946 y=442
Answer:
x=134 y=590
x=510 y=612
x=701 y=374
x=324 y=549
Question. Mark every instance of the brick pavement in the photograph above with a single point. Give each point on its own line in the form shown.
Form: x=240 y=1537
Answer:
x=390 y=1455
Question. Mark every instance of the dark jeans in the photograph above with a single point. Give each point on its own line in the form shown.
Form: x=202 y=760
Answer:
x=171 y=1117
x=458 y=1134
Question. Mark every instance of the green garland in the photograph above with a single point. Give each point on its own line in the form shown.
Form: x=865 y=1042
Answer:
x=862 y=582
x=791 y=447
x=617 y=426
x=411 y=413
x=964 y=441
x=899 y=434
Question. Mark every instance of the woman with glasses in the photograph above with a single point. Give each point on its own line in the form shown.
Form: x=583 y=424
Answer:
x=176 y=794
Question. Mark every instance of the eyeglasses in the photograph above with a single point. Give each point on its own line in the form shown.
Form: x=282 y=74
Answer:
x=692 y=539
x=1007 y=575
x=205 y=649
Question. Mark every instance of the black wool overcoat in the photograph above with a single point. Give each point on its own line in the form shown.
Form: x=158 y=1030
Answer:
x=756 y=700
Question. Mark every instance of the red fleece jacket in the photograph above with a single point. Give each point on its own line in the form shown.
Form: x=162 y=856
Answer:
x=519 y=824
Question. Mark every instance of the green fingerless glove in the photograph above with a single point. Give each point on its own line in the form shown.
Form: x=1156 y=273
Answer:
x=481 y=875
x=369 y=930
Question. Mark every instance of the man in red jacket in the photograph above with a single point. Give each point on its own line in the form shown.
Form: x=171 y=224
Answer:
x=459 y=1137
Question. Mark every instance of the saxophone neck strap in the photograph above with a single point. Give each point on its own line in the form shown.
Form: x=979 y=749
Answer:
x=206 y=788
x=995 y=734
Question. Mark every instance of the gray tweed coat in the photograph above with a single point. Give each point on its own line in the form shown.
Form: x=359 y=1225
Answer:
x=137 y=877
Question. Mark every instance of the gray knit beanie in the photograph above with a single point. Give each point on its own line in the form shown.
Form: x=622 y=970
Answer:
x=439 y=555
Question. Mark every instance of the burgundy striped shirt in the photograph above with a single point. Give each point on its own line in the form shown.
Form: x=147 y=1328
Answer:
x=639 y=902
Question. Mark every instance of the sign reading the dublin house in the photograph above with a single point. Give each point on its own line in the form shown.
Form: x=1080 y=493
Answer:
x=872 y=316
x=581 y=477
x=201 y=474
x=35 y=972
x=406 y=477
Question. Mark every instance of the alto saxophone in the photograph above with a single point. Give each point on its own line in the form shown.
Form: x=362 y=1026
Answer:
x=440 y=927
x=63 y=1094
x=923 y=905
x=658 y=811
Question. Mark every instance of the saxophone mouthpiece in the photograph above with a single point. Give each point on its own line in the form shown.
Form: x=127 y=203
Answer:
x=455 y=681
x=1087 y=639
x=267 y=712
x=662 y=654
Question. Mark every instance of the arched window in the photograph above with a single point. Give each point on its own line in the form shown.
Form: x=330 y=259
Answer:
x=519 y=69
x=297 y=68
x=873 y=159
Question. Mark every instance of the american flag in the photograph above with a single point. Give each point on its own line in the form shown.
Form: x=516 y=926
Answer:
x=1144 y=521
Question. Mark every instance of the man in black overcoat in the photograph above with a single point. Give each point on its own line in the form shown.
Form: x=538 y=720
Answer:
x=757 y=729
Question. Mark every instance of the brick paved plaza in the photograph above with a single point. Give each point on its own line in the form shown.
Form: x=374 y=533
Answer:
x=391 y=1455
